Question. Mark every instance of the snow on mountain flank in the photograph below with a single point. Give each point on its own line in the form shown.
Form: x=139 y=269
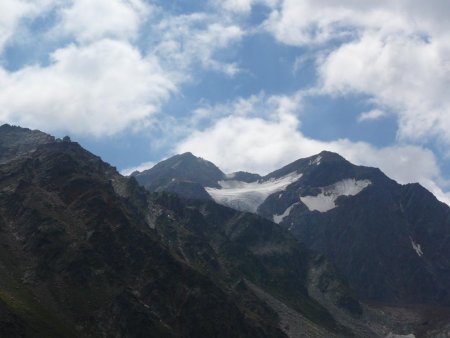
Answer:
x=325 y=201
x=316 y=161
x=417 y=248
x=249 y=196
x=279 y=218
x=393 y=335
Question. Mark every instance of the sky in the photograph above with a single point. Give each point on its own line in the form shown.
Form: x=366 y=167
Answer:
x=247 y=84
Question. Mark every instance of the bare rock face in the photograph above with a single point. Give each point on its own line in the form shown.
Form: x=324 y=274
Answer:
x=78 y=256
x=87 y=252
x=16 y=141
x=390 y=241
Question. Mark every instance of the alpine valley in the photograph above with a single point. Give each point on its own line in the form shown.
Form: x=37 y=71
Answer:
x=318 y=248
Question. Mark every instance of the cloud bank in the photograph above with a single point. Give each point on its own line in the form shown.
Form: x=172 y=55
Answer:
x=396 y=52
x=97 y=89
x=117 y=63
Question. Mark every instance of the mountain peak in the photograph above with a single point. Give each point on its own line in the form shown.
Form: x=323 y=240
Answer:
x=187 y=156
x=322 y=157
x=182 y=167
x=188 y=160
x=330 y=155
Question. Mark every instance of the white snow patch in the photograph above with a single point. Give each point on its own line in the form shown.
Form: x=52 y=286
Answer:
x=416 y=248
x=280 y=195
x=249 y=196
x=393 y=335
x=176 y=164
x=279 y=218
x=316 y=161
x=326 y=200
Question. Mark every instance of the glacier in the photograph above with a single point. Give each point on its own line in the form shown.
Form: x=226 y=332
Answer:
x=249 y=196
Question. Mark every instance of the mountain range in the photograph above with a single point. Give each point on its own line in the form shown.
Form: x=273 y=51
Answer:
x=391 y=242
x=319 y=248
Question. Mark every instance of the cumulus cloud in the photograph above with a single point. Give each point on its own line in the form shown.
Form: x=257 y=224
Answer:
x=409 y=75
x=238 y=5
x=97 y=82
x=374 y=114
x=242 y=6
x=13 y=12
x=195 y=40
x=300 y=22
x=98 y=89
x=90 y=20
x=103 y=82
x=10 y=13
x=394 y=52
x=262 y=144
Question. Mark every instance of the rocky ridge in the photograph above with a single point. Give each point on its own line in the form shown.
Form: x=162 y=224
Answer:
x=390 y=241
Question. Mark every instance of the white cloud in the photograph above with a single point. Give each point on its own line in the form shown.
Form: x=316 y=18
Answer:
x=396 y=52
x=374 y=114
x=196 y=39
x=238 y=5
x=262 y=144
x=141 y=167
x=407 y=74
x=299 y=22
x=13 y=12
x=101 y=82
x=254 y=106
x=90 y=20
x=242 y=6
x=98 y=89
x=244 y=143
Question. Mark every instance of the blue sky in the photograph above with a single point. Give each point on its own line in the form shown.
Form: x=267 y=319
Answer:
x=248 y=84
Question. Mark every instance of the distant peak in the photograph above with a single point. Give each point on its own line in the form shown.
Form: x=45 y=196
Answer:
x=330 y=155
x=309 y=163
x=184 y=167
x=188 y=157
x=187 y=154
x=325 y=156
